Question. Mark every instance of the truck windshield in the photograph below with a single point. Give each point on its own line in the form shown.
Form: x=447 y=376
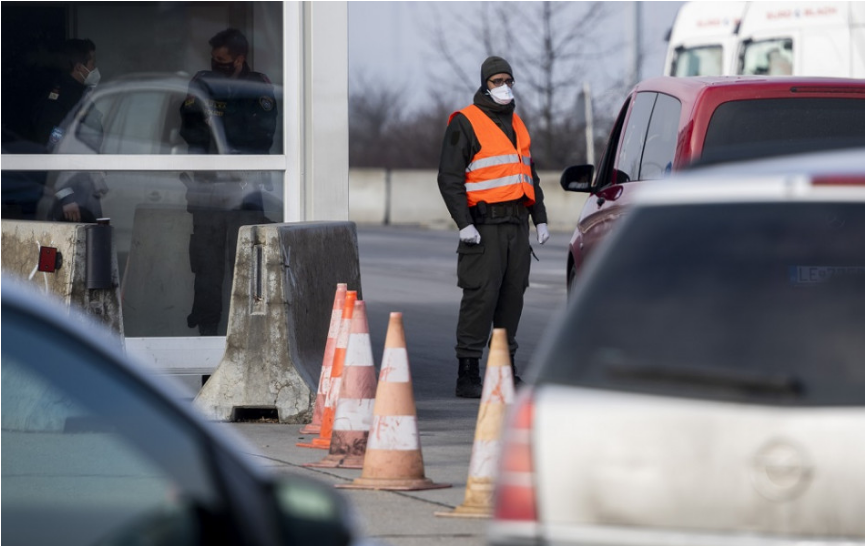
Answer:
x=698 y=61
x=768 y=57
x=759 y=302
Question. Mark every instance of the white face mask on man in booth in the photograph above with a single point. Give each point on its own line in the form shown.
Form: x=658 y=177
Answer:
x=92 y=79
x=502 y=94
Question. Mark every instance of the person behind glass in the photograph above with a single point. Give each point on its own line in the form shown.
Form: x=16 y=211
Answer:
x=77 y=195
x=232 y=99
x=490 y=187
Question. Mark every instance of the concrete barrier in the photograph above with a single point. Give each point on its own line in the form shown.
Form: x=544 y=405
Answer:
x=411 y=197
x=88 y=275
x=281 y=301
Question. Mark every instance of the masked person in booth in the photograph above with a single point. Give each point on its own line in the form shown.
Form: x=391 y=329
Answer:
x=229 y=109
x=490 y=187
x=77 y=195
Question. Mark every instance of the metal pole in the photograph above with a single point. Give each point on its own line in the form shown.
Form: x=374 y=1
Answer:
x=636 y=56
x=590 y=124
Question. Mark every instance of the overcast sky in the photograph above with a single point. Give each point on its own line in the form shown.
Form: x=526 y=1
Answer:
x=390 y=42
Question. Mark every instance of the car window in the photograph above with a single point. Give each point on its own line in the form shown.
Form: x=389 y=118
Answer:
x=750 y=129
x=635 y=137
x=88 y=455
x=769 y=57
x=698 y=61
x=605 y=171
x=660 y=150
x=755 y=302
x=136 y=126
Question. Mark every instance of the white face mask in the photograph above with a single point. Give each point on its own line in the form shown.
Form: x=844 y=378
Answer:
x=502 y=94
x=92 y=79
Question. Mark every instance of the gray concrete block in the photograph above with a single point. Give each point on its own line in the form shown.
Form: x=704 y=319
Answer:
x=281 y=302
x=21 y=241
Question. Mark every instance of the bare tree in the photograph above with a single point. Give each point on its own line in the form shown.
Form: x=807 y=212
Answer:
x=375 y=115
x=552 y=47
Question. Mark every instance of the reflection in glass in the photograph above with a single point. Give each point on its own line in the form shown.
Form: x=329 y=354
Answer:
x=172 y=230
x=98 y=70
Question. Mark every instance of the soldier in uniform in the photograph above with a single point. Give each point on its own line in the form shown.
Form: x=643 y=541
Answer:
x=231 y=100
x=490 y=187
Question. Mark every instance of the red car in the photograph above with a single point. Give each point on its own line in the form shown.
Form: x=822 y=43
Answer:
x=667 y=124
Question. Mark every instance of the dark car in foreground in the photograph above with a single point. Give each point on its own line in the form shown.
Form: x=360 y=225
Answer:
x=706 y=382
x=668 y=124
x=97 y=452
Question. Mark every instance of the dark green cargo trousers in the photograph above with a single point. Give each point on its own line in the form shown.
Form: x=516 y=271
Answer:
x=494 y=276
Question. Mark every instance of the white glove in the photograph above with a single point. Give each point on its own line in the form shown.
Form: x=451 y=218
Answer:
x=469 y=235
x=543 y=233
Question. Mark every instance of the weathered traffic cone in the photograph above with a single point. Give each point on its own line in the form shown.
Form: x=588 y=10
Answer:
x=327 y=361
x=497 y=396
x=393 y=454
x=354 y=405
x=323 y=440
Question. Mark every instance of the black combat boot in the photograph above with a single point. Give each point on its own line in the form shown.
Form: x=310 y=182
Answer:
x=517 y=380
x=469 y=379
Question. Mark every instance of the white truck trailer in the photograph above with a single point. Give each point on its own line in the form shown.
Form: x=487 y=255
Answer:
x=768 y=38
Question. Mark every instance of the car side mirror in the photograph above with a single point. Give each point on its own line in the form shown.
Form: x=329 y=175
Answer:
x=578 y=178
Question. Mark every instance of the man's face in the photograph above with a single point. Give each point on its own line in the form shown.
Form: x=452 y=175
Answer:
x=91 y=61
x=82 y=70
x=500 y=79
x=225 y=63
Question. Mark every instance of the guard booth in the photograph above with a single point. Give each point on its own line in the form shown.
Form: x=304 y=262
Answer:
x=142 y=168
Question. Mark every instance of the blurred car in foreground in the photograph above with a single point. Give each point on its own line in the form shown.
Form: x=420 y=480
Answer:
x=97 y=452
x=706 y=383
x=667 y=124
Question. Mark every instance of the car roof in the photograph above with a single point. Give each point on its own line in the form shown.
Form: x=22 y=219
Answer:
x=692 y=87
x=823 y=176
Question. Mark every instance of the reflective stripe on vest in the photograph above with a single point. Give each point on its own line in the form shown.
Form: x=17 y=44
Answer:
x=499 y=171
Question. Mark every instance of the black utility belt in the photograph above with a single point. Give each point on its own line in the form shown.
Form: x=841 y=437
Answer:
x=484 y=211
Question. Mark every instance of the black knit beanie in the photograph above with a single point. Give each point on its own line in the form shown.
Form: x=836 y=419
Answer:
x=492 y=66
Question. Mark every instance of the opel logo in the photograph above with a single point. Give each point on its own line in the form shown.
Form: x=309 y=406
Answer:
x=781 y=470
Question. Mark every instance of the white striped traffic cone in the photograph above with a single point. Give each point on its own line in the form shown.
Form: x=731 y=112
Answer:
x=498 y=394
x=393 y=454
x=327 y=361
x=354 y=406
x=323 y=440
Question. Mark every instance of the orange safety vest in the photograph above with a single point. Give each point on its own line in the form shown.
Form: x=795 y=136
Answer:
x=499 y=171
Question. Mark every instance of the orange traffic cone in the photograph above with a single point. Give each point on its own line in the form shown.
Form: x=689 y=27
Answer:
x=498 y=394
x=327 y=361
x=393 y=454
x=355 y=401
x=323 y=440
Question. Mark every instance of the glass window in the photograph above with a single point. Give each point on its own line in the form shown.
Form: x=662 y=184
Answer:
x=162 y=87
x=635 y=137
x=661 y=139
x=769 y=57
x=760 y=302
x=175 y=235
x=605 y=171
x=758 y=128
x=699 y=61
x=88 y=455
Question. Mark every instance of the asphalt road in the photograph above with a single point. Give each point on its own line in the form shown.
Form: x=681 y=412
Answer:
x=413 y=270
